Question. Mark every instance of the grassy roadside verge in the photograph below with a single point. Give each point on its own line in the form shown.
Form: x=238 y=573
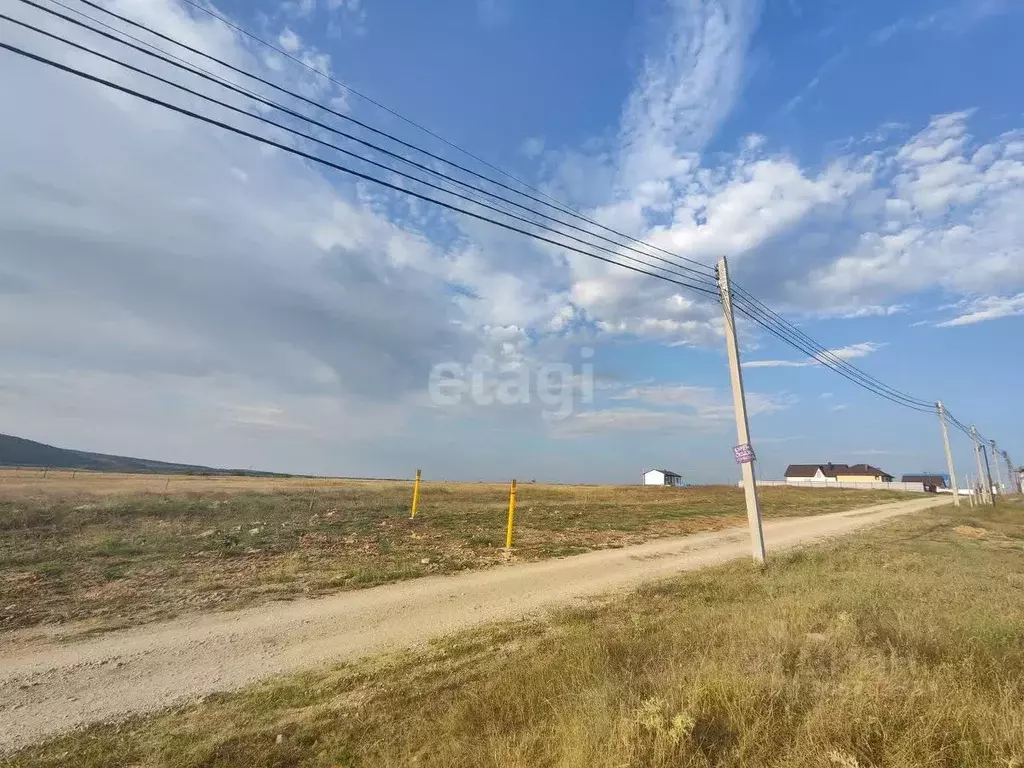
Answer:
x=123 y=559
x=903 y=646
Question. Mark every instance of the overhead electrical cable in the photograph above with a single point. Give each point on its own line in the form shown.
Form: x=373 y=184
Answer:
x=277 y=49
x=709 y=271
x=817 y=352
x=747 y=303
x=180 y=64
x=760 y=320
x=351 y=171
x=335 y=147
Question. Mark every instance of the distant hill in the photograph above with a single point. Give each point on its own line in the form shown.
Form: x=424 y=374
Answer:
x=19 y=452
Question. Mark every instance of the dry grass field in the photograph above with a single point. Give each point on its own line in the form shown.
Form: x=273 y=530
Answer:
x=901 y=647
x=105 y=551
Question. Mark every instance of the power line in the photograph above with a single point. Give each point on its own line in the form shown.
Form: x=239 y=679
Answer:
x=801 y=341
x=336 y=166
x=309 y=137
x=365 y=98
x=767 y=318
x=564 y=207
x=788 y=330
x=760 y=320
x=694 y=275
x=561 y=207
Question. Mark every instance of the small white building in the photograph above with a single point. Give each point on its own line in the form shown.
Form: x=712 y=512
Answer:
x=662 y=477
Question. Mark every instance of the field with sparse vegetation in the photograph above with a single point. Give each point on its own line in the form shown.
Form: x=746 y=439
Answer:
x=106 y=551
x=900 y=647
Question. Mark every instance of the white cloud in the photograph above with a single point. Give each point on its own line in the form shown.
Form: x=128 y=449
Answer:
x=689 y=83
x=613 y=420
x=851 y=352
x=675 y=407
x=705 y=402
x=298 y=9
x=778 y=363
x=533 y=147
x=863 y=349
x=815 y=81
x=687 y=88
x=289 y=41
x=950 y=221
x=181 y=255
x=872 y=310
x=986 y=308
x=858 y=238
x=214 y=287
x=954 y=19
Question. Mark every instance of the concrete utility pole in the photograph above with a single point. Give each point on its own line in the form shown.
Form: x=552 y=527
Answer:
x=986 y=497
x=949 y=453
x=995 y=460
x=744 y=452
x=988 y=474
x=1011 y=475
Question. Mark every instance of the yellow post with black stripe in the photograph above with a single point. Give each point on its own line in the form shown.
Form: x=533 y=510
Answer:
x=415 y=494
x=511 y=515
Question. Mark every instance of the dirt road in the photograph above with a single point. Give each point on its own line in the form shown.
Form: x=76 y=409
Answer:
x=55 y=688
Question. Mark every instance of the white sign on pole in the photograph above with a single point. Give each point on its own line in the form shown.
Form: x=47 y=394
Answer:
x=744 y=453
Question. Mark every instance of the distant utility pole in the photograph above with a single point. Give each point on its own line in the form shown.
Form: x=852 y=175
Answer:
x=744 y=452
x=1011 y=481
x=986 y=495
x=949 y=453
x=988 y=474
x=995 y=460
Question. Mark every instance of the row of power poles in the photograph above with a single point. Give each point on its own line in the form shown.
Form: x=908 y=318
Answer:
x=745 y=454
x=986 y=490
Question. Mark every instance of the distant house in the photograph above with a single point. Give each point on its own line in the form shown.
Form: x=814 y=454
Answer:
x=931 y=483
x=862 y=473
x=662 y=477
x=806 y=473
x=836 y=473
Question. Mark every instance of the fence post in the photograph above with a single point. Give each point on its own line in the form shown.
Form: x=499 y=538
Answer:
x=416 y=494
x=511 y=515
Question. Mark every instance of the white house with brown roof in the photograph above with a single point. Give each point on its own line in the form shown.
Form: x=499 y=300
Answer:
x=836 y=473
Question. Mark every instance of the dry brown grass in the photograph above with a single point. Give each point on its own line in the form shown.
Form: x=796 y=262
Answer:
x=902 y=647
x=60 y=483
x=104 y=551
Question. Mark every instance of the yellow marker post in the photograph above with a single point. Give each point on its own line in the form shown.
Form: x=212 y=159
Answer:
x=511 y=515
x=415 y=494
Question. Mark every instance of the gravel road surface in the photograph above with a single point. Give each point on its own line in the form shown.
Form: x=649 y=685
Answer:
x=54 y=687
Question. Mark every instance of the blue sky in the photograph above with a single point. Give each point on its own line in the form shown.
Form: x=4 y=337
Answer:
x=175 y=292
